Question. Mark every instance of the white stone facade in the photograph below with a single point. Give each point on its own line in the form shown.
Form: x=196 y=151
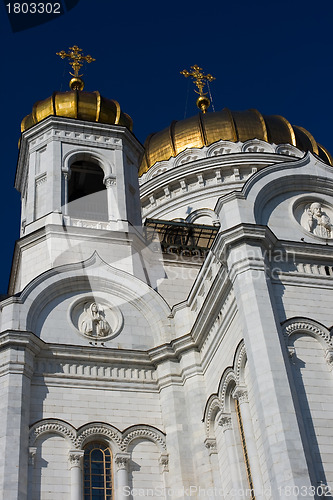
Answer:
x=179 y=365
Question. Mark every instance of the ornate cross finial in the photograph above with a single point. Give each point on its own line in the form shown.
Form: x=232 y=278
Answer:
x=76 y=62
x=200 y=80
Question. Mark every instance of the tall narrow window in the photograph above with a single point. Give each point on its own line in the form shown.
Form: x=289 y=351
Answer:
x=246 y=457
x=98 y=480
x=87 y=196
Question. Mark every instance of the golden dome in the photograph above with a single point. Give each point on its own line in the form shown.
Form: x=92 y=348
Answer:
x=205 y=129
x=90 y=106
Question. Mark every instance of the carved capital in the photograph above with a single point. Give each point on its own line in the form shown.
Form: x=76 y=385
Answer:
x=240 y=393
x=164 y=462
x=291 y=351
x=75 y=458
x=225 y=422
x=329 y=358
x=121 y=460
x=32 y=455
x=210 y=444
x=109 y=181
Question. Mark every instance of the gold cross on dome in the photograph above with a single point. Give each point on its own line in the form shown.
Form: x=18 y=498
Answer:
x=77 y=57
x=198 y=77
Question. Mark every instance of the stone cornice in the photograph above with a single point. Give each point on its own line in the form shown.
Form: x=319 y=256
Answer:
x=20 y=349
x=243 y=233
x=21 y=339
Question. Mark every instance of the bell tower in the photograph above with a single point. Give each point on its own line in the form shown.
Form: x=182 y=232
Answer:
x=78 y=178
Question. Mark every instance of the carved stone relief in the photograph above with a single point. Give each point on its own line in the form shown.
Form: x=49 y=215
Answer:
x=96 y=320
x=315 y=217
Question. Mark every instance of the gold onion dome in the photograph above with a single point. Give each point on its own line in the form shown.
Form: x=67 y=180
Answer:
x=205 y=129
x=89 y=106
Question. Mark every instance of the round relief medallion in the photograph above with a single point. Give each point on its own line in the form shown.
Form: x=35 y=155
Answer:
x=315 y=216
x=96 y=319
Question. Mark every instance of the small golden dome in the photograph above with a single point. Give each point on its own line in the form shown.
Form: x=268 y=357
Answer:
x=205 y=129
x=90 y=106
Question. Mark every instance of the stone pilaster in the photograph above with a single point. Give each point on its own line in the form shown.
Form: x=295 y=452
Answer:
x=267 y=361
x=17 y=353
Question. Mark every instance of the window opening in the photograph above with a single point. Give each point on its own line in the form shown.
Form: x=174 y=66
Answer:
x=87 y=195
x=98 y=477
x=243 y=442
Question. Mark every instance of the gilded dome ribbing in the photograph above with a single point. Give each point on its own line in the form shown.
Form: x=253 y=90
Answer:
x=205 y=129
x=90 y=106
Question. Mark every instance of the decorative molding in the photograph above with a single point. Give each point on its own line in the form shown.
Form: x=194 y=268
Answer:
x=214 y=406
x=164 y=462
x=233 y=377
x=109 y=182
x=99 y=430
x=32 y=455
x=122 y=460
x=300 y=325
x=241 y=394
x=75 y=458
x=329 y=358
x=210 y=444
x=220 y=148
x=99 y=371
x=95 y=430
x=240 y=361
x=41 y=179
x=144 y=432
x=291 y=353
x=52 y=426
x=225 y=422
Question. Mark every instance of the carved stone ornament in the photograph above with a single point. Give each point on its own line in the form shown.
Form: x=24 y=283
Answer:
x=121 y=460
x=329 y=358
x=210 y=444
x=75 y=458
x=93 y=322
x=225 y=422
x=241 y=394
x=32 y=455
x=315 y=217
x=164 y=462
x=96 y=319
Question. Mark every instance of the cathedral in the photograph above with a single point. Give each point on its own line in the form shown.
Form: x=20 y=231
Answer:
x=167 y=328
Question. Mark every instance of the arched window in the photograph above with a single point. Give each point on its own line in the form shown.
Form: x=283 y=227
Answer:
x=87 y=198
x=98 y=478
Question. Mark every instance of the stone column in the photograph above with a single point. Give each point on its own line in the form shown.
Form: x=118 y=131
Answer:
x=210 y=444
x=226 y=423
x=121 y=461
x=75 y=458
x=113 y=212
x=241 y=395
x=65 y=199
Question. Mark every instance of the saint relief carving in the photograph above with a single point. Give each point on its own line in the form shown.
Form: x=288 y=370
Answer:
x=317 y=221
x=93 y=322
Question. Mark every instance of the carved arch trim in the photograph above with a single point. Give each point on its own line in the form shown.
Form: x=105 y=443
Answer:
x=77 y=438
x=52 y=426
x=213 y=407
x=144 y=431
x=232 y=376
x=307 y=326
x=97 y=430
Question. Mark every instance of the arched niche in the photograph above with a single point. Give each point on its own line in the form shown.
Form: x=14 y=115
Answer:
x=87 y=194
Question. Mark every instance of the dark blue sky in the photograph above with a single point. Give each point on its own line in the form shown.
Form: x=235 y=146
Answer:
x=274 y=56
